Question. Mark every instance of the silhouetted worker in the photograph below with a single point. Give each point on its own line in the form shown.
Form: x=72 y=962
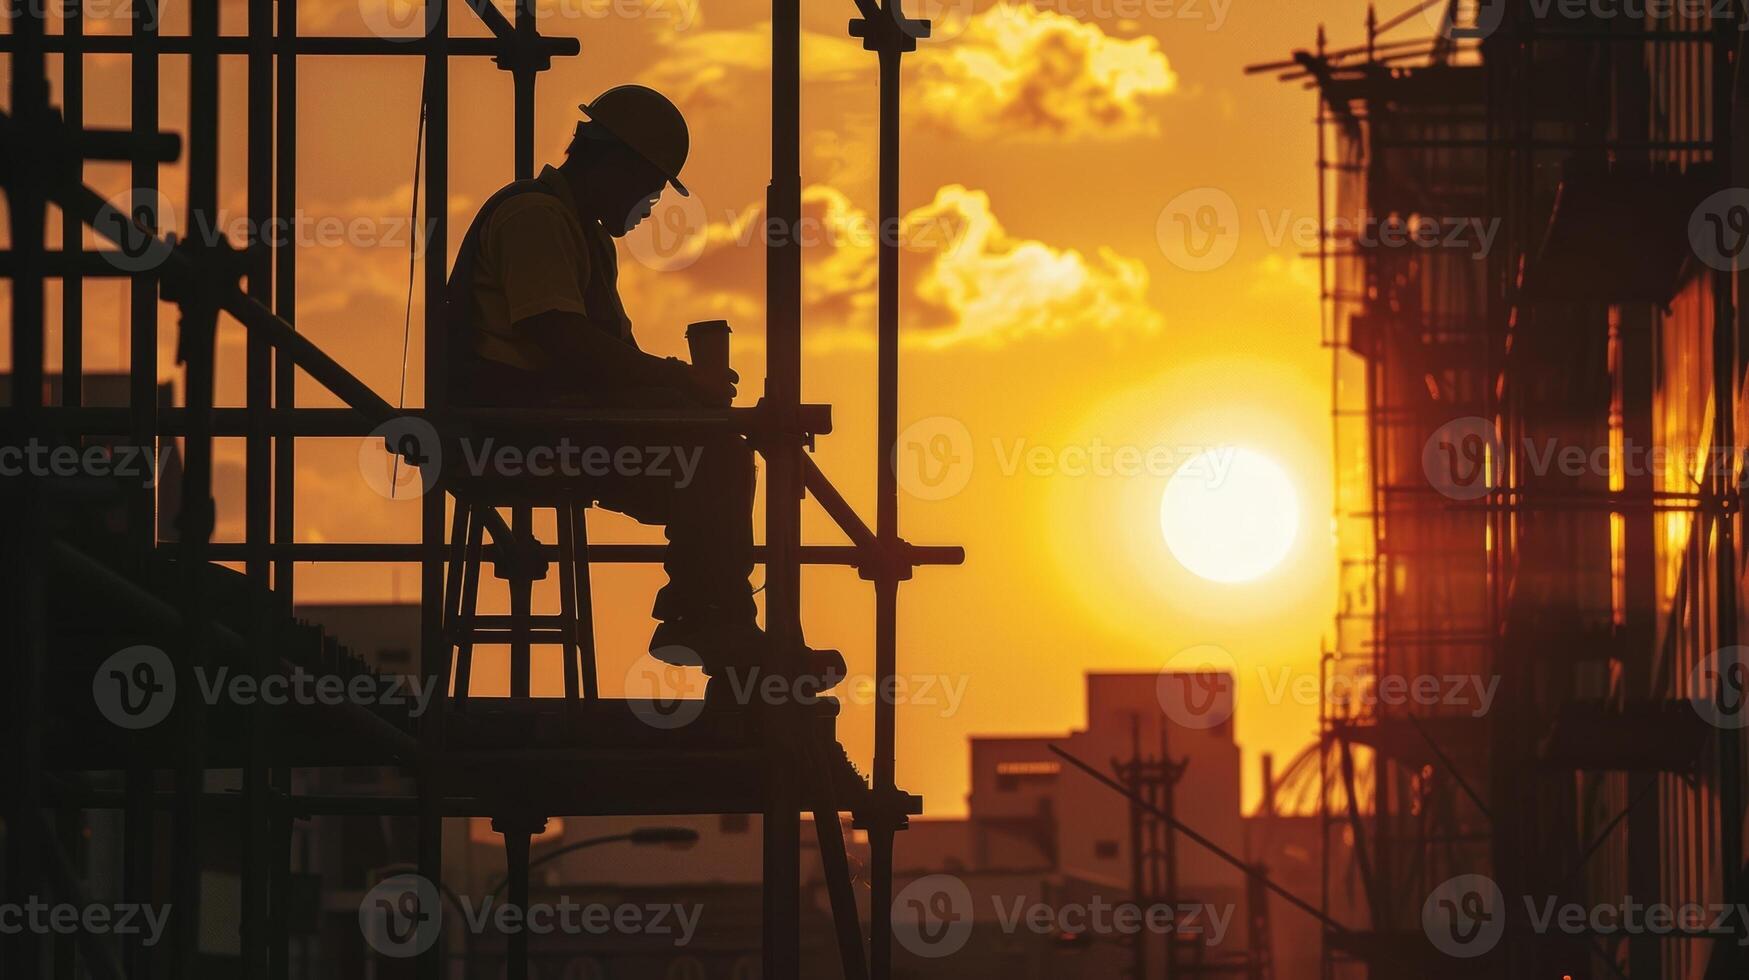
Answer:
x=536 y=321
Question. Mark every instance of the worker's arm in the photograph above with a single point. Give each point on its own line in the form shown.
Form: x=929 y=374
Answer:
x=569 y=339
x=532 y=242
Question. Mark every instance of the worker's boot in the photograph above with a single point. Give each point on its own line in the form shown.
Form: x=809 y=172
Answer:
x=739 y=658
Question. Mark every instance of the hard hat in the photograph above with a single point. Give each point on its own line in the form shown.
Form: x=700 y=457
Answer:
x=643 y=119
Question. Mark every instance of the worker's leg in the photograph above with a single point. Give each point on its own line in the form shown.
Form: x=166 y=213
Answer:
x=702 y=490
x=703 y=493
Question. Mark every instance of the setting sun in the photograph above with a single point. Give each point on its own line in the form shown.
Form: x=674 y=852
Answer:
x=1229 y=515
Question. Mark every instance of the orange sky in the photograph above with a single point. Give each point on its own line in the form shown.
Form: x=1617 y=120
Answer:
x=1042 y=147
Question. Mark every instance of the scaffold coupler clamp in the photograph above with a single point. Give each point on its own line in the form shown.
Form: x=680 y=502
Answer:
x=879 y=561
x=893 y=32
x=885 y=810
x=212 y=268
x=523 y=51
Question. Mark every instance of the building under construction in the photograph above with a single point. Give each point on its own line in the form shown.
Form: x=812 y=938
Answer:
x=1530 y=269
x=94 y=564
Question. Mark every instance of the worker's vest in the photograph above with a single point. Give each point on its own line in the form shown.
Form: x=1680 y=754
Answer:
x=461 y=312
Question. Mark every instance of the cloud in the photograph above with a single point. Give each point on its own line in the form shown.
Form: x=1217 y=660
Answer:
x=992 y=287
x=1022 y=70
x=723 y=69
x=964 y=279
x=1016 y=71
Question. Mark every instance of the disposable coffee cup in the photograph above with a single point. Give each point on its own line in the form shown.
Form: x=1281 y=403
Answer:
x=709 y=343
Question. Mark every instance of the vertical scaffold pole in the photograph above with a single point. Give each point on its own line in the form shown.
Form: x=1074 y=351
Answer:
x=285 y=191
x=196 y=344
x=782 y=825
x=141 y=817
x=259 y=905
x=522 y=82
x=889 y=34
x=73 y=230
x=434 y=648
x=1727 y=361
x=886 y=584
x=22 y=605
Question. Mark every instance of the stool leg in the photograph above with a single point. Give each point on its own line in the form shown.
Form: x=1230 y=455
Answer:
x=458 y=556
x=585 y=602
x=521 y=605
x=567 y=594
x=464 y=639
x=565 y=517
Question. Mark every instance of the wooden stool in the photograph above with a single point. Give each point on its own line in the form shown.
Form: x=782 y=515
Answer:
x=573 y=628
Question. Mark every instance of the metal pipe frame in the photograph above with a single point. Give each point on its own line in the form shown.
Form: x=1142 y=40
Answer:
x=205 y=282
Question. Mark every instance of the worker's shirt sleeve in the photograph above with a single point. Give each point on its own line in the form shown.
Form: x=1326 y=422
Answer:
x=537 y=249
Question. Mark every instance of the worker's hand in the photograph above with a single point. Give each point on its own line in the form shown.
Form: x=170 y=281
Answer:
x=711 y=386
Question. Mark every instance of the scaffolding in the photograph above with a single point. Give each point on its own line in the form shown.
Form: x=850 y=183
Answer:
x=591 y=756
x=1581 y=146
x=1149 y=783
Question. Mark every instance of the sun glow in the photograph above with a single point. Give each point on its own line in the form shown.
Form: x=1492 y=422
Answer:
x=1229 y=514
